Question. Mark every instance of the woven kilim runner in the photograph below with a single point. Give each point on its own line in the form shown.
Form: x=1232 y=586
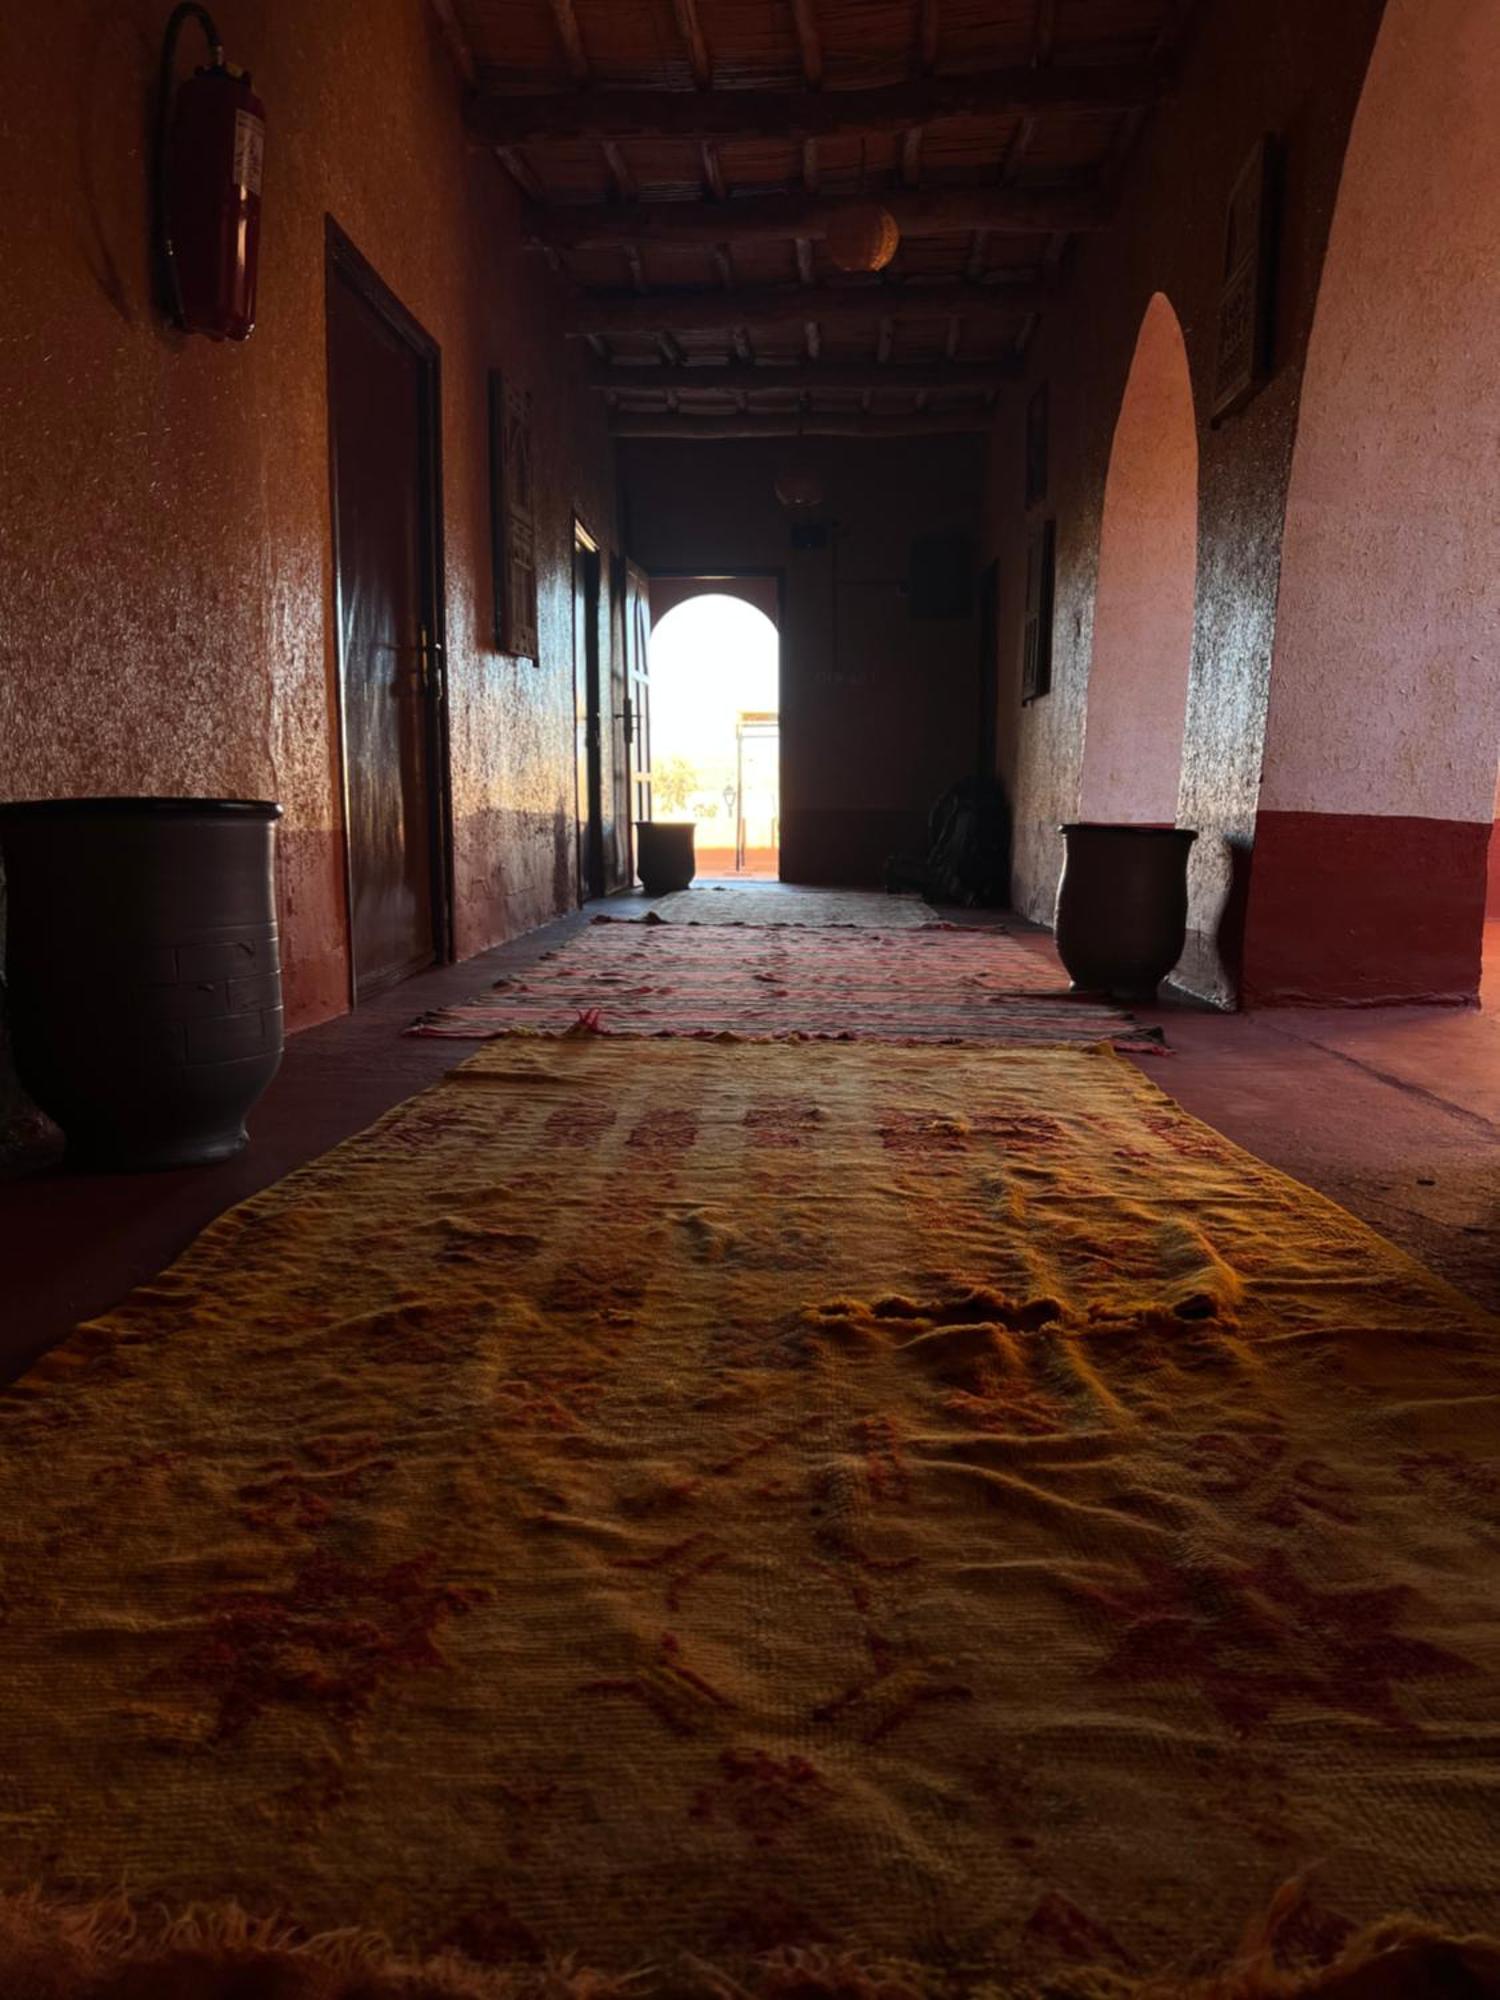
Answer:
x=937 y=985
x=890 y=1523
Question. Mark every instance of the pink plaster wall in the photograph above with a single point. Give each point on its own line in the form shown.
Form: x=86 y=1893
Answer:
x=164 y=525
x=1143 y=613
x=1385 y=693
x=1250 y=67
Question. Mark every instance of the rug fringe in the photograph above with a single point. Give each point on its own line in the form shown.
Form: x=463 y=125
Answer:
x=114 y=1950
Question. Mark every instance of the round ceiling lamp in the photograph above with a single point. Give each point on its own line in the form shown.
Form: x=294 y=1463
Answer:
x=862 y=237
x=799 y=489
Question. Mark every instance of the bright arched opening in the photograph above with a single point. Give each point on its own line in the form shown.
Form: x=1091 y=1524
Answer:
x=1148 y=565
x=1368 y=876
x=715 y=731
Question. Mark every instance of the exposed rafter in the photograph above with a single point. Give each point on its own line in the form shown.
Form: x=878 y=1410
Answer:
x=692 y=33
x=498 y=120
x=973 y=377
x=930 y=212
x=457 y=40
x=928 y=32
x=809 y=41
x=788 y=305
x=805 y=423
x=566 y=20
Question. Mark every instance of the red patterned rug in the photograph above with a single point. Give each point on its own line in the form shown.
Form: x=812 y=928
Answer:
x=937 y=984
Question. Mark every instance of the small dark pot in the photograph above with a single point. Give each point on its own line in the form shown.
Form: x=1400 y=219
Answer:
x=1122 y=907
x=143 y=971
x=664 y=857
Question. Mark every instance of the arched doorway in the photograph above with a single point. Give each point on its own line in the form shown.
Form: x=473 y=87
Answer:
x=1148 y=563
x=715 y=730
x=1368 y=876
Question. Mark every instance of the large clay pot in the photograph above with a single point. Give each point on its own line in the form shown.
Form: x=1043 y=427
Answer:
x=664 y=857
x=1122 y=906
x=143 y=971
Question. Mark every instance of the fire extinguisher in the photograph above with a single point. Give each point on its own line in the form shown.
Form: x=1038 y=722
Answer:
x=210 y=142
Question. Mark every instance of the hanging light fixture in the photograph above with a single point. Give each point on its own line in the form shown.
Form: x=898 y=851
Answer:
x=799 y=489
x=864 y=236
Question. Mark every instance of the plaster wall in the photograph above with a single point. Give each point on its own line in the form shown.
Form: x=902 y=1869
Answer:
x=879 y=710
x=1379 y=784
x=165 y=565
x=1386 y=684
x=1250 y=67
x=1143 y=620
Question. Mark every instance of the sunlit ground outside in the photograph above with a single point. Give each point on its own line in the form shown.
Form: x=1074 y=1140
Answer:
x=715 y=748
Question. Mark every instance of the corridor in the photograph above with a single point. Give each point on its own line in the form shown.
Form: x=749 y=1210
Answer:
x=750 y=1000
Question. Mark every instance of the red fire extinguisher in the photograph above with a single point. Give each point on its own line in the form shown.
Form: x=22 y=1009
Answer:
x=210 y=142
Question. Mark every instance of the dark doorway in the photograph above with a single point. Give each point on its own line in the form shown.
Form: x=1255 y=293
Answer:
x=587 y=571
x=989 y=671
x=383 y=407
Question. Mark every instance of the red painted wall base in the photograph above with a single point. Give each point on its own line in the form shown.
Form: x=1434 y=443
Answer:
x=1360 y=910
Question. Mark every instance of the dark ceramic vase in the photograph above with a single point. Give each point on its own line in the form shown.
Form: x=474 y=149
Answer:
x=1122 y=906
x=143 y=972
x=664 y=857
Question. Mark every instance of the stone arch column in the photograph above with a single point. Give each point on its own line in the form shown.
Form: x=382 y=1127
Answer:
x=1143 y=615
x=1367 y=881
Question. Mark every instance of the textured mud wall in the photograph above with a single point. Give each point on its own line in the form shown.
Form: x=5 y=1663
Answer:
x=165 y=563
x=1385 y=690
x=1148 y=562
x=1253 y=66
x=879 y=709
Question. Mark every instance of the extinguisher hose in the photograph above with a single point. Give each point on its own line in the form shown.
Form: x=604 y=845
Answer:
x=166 y=252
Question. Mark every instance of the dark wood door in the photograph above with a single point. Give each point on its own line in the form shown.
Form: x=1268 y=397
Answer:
x=382 y=391
x=586 y=575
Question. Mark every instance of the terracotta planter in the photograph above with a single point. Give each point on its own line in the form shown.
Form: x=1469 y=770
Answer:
x=1122 y=907
x=143 y=972
x=664 y=857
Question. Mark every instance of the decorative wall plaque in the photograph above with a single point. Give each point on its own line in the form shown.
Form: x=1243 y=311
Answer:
x=1244 y=351
x=512 y=519
x=1036 y=631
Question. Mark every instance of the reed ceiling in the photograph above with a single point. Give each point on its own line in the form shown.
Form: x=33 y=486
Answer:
x=681 y=161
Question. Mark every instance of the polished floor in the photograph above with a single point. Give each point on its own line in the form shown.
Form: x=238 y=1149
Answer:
x=1394 y=1112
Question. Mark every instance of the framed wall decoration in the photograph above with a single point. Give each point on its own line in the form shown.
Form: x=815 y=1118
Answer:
x=1036 y=445
x=1243 y=360
x=1036 y=628
x=512 y=519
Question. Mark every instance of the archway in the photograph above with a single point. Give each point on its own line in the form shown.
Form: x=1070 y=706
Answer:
x=1367 y=881
x=1148 y=563
x=715 y=730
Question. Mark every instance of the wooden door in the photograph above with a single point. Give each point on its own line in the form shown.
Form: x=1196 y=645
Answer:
x=638 y=697
x=586 y=573
x=383 y=422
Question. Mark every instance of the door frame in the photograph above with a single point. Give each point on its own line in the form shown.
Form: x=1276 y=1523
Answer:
x=590 y=823
x=344 y=264
x=733 y=573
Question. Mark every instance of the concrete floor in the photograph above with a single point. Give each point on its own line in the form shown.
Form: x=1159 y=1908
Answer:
x=1395 y=1112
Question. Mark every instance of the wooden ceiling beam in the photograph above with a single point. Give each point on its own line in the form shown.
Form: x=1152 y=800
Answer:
x=917 y=212
x=457 y=40
x=691 y=29
x=495 y=119
x=809 y=41
x=565 y=19
x=973 y=377
x=928 y=31
x=793 y=305
x=802 y=423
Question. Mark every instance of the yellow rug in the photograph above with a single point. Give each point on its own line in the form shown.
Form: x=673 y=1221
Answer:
x=672 y=1506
